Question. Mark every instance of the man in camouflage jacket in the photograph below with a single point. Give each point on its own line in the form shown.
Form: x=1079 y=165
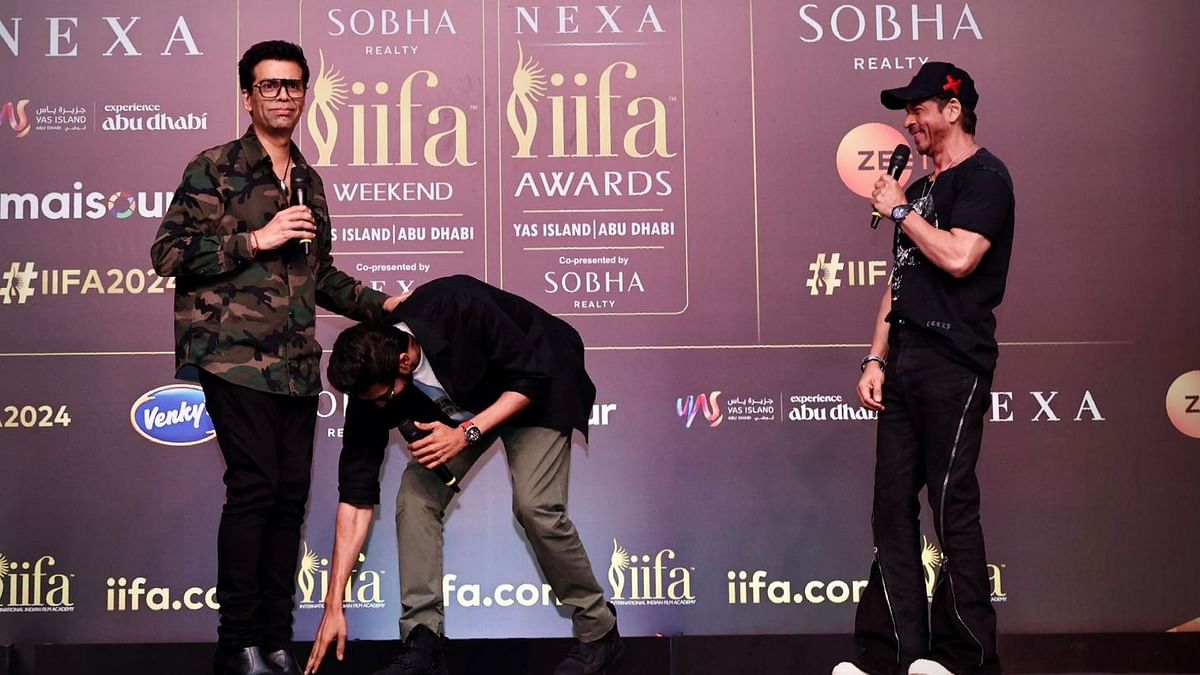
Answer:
x=245 y=325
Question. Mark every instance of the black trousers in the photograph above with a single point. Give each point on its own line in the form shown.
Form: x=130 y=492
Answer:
x=267 y=442
x=929 y=436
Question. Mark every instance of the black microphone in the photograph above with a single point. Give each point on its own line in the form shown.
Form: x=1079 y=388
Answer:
x=300 y=196
x=895 y=167
x=411 y=433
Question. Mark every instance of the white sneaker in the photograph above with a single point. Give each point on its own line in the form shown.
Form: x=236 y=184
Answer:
x=847 y=668
x=927 y=667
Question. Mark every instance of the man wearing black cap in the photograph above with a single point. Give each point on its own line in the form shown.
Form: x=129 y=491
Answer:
x=935 y=346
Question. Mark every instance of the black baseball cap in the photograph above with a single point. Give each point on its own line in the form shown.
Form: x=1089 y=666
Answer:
x=935 y=78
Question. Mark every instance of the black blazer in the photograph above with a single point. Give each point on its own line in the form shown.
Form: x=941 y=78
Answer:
x=480 y=341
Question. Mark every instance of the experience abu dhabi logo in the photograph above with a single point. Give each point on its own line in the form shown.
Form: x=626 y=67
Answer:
x=1183 y=403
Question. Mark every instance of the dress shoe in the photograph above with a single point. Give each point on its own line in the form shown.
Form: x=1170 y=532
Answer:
x=847 y=668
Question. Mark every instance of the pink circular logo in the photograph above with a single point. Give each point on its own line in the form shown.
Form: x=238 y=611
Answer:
x=864 y=153
x=1183 y=403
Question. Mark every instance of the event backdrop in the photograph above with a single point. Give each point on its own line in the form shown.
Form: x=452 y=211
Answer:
x=681 y=180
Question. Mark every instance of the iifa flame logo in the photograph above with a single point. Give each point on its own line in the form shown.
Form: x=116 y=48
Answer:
x=331 y=93
x=530 y=84
x=932 y=560
x=364 y=588
x=172 y=415
x=31 y=587
x=700 y=403
x=647 y=580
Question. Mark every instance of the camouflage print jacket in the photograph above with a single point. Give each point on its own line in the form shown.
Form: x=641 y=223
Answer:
x=250 y=319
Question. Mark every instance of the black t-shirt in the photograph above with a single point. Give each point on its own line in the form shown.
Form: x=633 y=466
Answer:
x=956 y=314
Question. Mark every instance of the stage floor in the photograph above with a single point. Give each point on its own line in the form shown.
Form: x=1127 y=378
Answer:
x=1129 y=654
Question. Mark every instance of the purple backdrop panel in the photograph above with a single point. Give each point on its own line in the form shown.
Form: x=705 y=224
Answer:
x=395 y=125
x=726 y=486
x=593 y=187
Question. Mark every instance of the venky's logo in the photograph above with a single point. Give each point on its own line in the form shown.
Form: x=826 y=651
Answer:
x=172 y=415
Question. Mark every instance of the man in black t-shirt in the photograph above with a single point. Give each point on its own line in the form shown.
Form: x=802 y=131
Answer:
x=935 y=346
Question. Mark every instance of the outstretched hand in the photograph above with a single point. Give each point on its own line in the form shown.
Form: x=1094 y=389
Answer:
x=333 y=628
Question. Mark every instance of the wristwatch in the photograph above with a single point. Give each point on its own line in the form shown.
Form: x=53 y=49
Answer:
x=901 y=212
x=471 y=432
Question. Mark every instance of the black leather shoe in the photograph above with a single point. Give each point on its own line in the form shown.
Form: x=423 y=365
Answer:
x=593 y=658
x=420 y=654
x=245 y=661
x=281 y=661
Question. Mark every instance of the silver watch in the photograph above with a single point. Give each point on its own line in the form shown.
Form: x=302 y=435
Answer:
x=901 y=212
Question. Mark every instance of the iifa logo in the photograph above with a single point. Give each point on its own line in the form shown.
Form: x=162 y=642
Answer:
x=172 y=415
x=646 y=580
x=706 y=403
x=932 y=560
x=363 y=588
x=640 y=137
x=30 y=587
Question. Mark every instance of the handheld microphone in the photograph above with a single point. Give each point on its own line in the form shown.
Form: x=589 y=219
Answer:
x=301 y=193
x=411 y=433
x=895 y=167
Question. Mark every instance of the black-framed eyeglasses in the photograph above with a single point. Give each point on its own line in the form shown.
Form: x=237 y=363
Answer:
x=272 y=87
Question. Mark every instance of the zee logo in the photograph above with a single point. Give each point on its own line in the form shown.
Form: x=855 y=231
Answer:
x=172 y=415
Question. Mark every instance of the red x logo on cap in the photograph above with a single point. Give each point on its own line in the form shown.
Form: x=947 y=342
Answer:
x=951 y=84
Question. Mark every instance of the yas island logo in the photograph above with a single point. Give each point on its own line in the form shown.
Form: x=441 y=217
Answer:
x=364 y=588
x=644 y=119
x=16 y=118
x=932 y=560
x=394 y=134
x=645 y=579
x=34 y=586
x=709 y=405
